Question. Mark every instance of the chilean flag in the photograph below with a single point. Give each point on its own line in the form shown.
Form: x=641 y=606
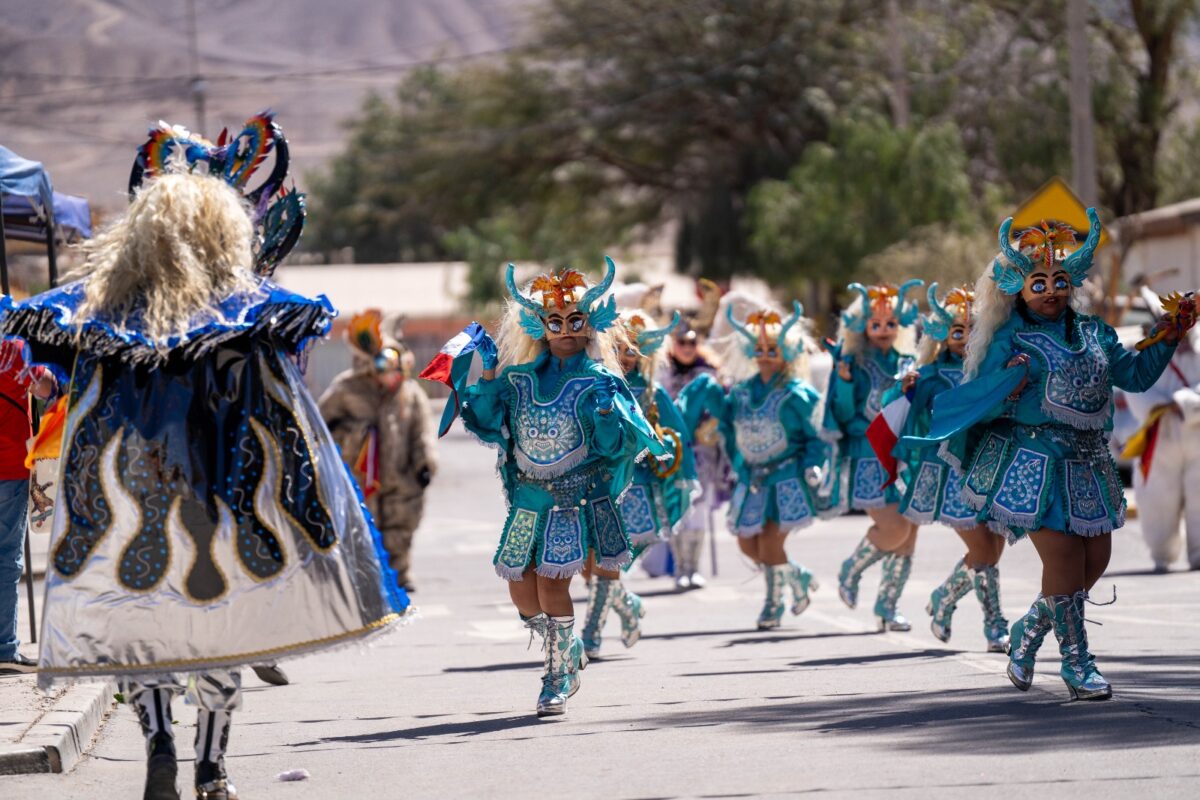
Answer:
x=451 y=366
x=884 y=432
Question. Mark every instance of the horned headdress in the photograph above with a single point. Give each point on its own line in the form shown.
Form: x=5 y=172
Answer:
x=762 y=320
x=561 y=290
x=956 y=303
x=1043 y=246
x=883 y=298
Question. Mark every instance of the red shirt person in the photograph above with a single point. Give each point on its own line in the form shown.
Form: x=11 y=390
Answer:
x=17 y=382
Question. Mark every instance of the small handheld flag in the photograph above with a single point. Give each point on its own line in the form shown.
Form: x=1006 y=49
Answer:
x=451 y=366
x=884 y=432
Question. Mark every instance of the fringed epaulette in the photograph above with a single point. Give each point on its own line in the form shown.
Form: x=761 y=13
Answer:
x=289 y=321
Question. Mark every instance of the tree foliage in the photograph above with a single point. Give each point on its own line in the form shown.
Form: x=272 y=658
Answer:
x=790 y=138
x=867 y=188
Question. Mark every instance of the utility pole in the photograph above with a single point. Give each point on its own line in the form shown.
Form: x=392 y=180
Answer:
x=197 y=80
x=1083 y=125
x=897 y=69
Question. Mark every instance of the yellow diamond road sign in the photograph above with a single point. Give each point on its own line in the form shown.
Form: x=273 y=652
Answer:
x=1055 y=201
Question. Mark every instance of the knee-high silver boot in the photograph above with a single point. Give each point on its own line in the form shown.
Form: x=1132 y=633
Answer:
x=1025 y=640
x=601 y=597
x=995 y=626
x=896 y=569
x=564 y=660
x=944 y=600
x=852 y=569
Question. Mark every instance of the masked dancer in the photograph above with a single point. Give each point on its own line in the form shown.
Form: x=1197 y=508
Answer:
x=1029 y=429
x=569 y=433
x=206 y=521
x=767 y=425
x=656 y=502
x=934 y=488
x=874 y=339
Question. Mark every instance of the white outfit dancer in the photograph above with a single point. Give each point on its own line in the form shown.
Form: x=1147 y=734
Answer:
x=1162 y=485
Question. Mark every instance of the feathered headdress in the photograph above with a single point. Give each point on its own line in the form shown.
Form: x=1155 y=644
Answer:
x=762 y=320
x=561 y=291
x=1042 y=246
x=883 y=299
x=647 y=339
x=957 y=303
x=364 y=333
x=278 y=212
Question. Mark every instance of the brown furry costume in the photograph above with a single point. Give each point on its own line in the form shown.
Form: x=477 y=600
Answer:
x=359 y=400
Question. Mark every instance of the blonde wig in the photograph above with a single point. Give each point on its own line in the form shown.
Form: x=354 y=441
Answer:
x=737 y=365
x=517 y=347
x=624 y=335
x=184 y=244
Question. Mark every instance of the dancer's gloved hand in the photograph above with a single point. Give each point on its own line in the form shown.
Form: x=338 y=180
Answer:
x=812 y=476
x=606 y=394
x=489 y=356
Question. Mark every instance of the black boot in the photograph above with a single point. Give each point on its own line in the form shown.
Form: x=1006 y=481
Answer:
x=212 y=737
x=153 y=707
x=162 y=771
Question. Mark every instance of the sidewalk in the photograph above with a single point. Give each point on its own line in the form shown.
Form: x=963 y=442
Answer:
x=46 y=732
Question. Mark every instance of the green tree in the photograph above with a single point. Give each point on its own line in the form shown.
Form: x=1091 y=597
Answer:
x=870 y=186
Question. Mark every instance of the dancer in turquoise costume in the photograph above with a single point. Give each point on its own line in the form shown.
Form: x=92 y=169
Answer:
x=661 y=492
x=206 y=520
x=1029 y=428
x=568 y=433
x=869 y=358
x=767 y=424
x=934 y=488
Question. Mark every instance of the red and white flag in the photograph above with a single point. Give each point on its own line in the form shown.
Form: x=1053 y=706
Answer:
x=884 y=431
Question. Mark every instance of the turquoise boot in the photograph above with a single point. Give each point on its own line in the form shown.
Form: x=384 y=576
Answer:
x=896 y=569
x=601 y=595
x=852 y=569
x=1079 y=671
x=565 y=659
x=776 y=579
x=630 y=609
x=802 y=582
x=944 y=600
x=1025 y=640
x=995 y=626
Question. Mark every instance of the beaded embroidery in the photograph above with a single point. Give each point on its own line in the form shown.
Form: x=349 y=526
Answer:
x=1077 y=388
x=549 y=437
x=760 y=434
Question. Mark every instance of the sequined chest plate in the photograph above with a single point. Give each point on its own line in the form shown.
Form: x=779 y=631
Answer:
x=549 y=436
x=761 y=436
x=1077 y=389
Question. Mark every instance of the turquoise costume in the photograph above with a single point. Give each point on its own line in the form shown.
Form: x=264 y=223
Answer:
x=933 y=492
x=1042 y=461
x=658 y=497
x=564 y=465
x=769 y=436
x=857 y=477
x=653 y=507
x=1038 y=457
x=569 y=434
x=768 y=433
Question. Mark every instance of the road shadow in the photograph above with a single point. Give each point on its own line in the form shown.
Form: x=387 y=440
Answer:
x=475 y=727
x=762 y=638
x=1154 y=708
x=875 y=658
x=509 y=667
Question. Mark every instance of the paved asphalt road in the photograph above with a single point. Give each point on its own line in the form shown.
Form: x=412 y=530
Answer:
x=704 y=706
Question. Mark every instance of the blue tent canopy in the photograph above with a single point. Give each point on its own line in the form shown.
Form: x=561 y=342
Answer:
x=25 y=178
x=24 y=220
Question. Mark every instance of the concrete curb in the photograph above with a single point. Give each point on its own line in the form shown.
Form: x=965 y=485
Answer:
x=57 y=741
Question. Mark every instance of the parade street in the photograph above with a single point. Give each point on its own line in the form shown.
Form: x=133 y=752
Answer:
x=704 y=706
